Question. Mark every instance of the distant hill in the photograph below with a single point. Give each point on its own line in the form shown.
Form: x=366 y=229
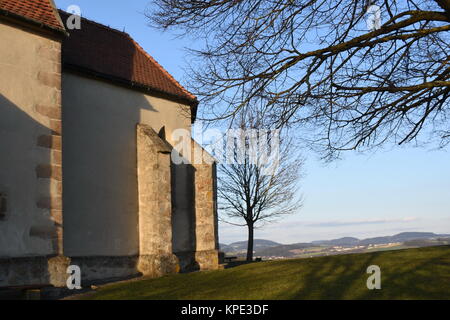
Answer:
x=267 y=248
x=285 y=250
x=347 y=241
x=257 y=243
x=401 y=237
x=239 y=246
x=225 y=248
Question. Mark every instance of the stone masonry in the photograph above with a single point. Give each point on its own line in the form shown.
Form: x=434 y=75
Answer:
x=49 y=174
x=40 y=100
x=205 y=209
x=155 y=208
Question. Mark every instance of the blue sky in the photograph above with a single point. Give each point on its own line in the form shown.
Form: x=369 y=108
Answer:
x=363 y=195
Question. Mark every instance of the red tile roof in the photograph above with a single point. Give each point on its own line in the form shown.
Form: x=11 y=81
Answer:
x=113 y=54
x=38 y=11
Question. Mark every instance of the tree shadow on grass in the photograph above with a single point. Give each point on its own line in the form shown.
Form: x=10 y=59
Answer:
x=425 y=274
x=345 y=277
x=330 y=278
x=426 y=278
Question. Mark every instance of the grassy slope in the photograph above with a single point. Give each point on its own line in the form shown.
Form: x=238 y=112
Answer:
x=406 y=274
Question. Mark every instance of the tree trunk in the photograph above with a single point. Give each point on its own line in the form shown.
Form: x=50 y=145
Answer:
x=250 y=242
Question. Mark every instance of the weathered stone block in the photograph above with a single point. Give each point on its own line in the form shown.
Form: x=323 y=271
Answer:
x=47 y=171
x=208 y=259
x=106 y=268
x=50 y=142
x=50 y=79
x=56 y=216
x=34 y=271
x=54 y=203
x=55 y=126
x=52 y=112
x=158 y=265
x=49 y=53
x=57 y=270
x=56 y=157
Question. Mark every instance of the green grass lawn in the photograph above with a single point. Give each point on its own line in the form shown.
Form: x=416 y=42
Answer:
x=405 y=274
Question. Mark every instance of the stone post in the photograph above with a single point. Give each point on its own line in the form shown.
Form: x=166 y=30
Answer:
x=207 y=246
x=155 y=208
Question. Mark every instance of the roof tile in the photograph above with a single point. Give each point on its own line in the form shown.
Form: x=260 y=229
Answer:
x=40 y=11
x=112 y=53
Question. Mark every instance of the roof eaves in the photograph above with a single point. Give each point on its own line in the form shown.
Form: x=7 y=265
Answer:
x=161 y=68
x=34 y=22
x=57 y=16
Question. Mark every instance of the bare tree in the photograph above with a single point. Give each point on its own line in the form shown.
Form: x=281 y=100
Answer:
x=254 y=189
x=318 y=63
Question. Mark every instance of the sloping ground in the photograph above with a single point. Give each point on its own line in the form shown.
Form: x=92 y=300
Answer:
x=405 y=274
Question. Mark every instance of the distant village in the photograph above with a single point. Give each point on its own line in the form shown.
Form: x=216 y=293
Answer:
x=270 y=250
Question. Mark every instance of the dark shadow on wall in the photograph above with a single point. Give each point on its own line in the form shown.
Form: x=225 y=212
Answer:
x=100 y=167
x=184 y=241
x=100 y=113
x=28 y=232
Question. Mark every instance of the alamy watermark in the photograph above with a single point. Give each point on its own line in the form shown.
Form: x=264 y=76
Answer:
x=260 y=147
x=74 y=20
x=74 y=280
x=374 y=281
